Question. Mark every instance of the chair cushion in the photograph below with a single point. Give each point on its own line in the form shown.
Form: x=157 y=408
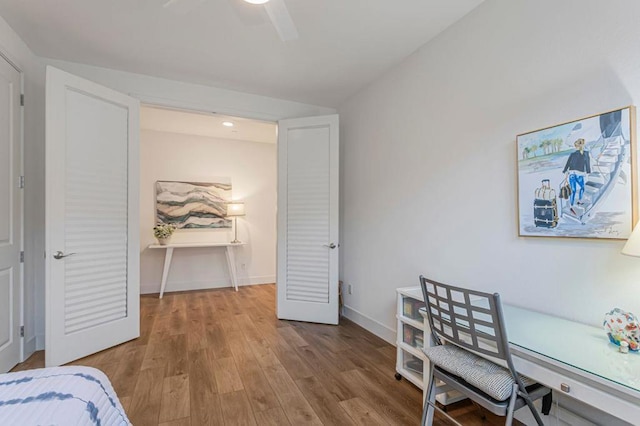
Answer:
x=491 y=378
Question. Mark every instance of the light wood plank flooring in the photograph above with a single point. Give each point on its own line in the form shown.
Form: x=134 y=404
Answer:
x=218 y=357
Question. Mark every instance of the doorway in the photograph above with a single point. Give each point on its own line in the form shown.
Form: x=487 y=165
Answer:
x=185 y=154
x=308 y=147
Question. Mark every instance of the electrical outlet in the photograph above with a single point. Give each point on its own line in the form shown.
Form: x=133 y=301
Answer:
x=350 y=289
x=243 y=266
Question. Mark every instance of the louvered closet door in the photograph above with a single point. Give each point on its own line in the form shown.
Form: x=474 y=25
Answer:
x=92 y=287
x=307 y=277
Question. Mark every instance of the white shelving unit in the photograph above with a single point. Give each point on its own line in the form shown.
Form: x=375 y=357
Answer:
x=412 y=334
x=411 y=362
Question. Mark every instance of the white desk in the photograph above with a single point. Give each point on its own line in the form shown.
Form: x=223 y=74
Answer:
x=556 y=351
x=229 y=249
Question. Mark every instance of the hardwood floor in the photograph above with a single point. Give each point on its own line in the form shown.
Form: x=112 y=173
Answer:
x=218 y=357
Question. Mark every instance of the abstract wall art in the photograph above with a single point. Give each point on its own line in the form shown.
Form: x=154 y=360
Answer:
x=193 y=205
x=577 y=179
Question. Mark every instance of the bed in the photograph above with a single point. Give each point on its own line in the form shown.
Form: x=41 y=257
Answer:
x=59 y=396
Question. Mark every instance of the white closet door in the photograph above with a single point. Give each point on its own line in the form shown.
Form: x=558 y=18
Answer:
x=10 y=216
x=307 y=274
x=92 y=282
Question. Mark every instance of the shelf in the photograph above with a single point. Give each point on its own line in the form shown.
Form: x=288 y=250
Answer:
x=411 y=335
x=417 y=324
x=412 y=350
x=410 y=308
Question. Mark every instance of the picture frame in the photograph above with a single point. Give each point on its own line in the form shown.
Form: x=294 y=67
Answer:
x=578 y=179
x=193 y=205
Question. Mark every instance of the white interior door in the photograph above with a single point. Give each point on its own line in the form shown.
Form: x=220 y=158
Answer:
x=92 y=247
x=307 y=274
x=10 y=216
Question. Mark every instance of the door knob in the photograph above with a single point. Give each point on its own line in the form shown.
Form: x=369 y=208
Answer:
x=331 y=246
x=61 y=255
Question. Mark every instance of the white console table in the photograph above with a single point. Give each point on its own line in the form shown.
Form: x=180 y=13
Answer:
x=229 y=249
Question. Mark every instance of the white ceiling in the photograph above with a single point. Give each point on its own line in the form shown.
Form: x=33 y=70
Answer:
x=209 y=125
x=343 y=45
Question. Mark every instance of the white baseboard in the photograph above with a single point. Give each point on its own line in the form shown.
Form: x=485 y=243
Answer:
x=265 y=279
x=369 y=324
x=29 y=347
x=152 y=288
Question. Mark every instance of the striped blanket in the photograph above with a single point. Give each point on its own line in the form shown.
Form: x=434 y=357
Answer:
x=59 y=396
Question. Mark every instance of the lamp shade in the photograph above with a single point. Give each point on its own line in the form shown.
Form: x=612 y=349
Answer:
x=632 y=247
x=235 y=208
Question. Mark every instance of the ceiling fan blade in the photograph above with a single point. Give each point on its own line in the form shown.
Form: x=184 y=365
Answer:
x=279 y=15
x=182 y=6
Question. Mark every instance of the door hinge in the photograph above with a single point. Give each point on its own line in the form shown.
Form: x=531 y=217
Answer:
x=21 y=182
x=21 y=99
x=22 y=331
x=21 y=257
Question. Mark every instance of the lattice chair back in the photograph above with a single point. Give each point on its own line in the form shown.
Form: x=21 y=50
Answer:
x=470 y=319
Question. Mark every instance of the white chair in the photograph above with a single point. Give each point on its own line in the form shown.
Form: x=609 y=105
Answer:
x=471 y=354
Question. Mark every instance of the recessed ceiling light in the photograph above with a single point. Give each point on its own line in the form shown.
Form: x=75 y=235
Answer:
x=256 y=1
x=227 y=124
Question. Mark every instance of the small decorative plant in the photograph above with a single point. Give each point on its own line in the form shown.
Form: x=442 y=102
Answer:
x=163 y=231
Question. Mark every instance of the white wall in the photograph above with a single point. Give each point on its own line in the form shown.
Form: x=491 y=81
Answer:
x=252 y=169
x=428 y=172
x=12 y=47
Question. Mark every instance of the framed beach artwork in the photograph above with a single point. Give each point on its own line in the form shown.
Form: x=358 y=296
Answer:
x=578 y=179
x=193 y=205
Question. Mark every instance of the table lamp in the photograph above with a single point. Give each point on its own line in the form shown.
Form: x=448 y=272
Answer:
x=632 y=247
x=235 y=209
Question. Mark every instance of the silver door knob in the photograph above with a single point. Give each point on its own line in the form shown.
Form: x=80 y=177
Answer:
x=61 y=255
x=331 y=246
